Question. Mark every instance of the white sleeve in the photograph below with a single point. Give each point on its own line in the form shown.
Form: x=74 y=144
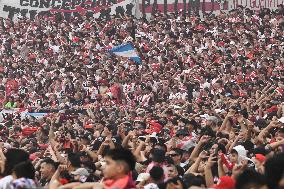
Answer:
x=6 y=182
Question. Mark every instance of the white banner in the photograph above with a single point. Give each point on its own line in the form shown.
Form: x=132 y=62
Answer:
x=23 y=113
x=64 y=9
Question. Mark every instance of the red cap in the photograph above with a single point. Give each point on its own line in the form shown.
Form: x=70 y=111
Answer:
x=75 y=39
x=242 y=94
x=154 y=128
x=221 y=43
x=260 y=157
x=225 y=182
x=63 y=181
x=272 y=109
x=33 y=156
x=89 y=126
x=43 y=146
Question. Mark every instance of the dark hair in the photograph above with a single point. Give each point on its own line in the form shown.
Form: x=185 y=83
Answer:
x=162 y=145
x=122 y=154
x=74 y=160
x=208 y=131
x=180 y=170
x=192 y=180
x=14 y=157
x=158 y=155
x=25 y=169
x=175 y=181
x=274 y=170
x=250 y=178
x=260 y=150
x=248 y=145
x=90 y=166
x=221 y=147
x=49 y=161
x=169 y=160
x=178 y=151
x=156 y=173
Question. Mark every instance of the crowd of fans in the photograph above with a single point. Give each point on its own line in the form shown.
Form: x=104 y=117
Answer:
x=204 y=109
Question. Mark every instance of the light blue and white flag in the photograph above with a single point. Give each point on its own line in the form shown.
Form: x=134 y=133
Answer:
x=126 y=50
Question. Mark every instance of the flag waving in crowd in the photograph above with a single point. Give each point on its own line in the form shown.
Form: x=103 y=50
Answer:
x=126 y=50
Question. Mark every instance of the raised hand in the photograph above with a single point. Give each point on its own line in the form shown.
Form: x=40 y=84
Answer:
x=62 y=168
x=211 y=160
x=204 y=139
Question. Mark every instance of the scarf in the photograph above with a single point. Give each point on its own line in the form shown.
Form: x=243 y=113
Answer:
x=125 y=182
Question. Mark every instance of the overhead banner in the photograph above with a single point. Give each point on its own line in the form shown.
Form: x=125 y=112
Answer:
x=64 y=9
x=150 y=7
x=176 y=6
x=255 y=4
x=23 y=113
x=67 y=9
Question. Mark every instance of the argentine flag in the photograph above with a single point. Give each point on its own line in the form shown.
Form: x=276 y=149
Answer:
x=126 y=50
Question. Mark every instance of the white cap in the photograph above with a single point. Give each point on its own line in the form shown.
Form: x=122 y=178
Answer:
x=81 y=172
x=143 y=176
x=232 y=43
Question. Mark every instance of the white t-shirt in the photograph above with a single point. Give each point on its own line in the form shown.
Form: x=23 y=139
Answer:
x=151 y=186
x=6 y=182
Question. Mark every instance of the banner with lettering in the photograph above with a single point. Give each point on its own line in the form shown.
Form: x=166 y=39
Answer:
x=176 y=6
x=64 y=9
x=256 y=4
x=150 y=7
x=67 y=9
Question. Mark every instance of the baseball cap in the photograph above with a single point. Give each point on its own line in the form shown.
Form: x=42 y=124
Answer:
x=154 y=127
x=33 y=157
x=43 y=146
x=260 y=157
x=81 y=172
x=225 y=182
x=272 y=109
x=142 y=176
x=89 y=126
